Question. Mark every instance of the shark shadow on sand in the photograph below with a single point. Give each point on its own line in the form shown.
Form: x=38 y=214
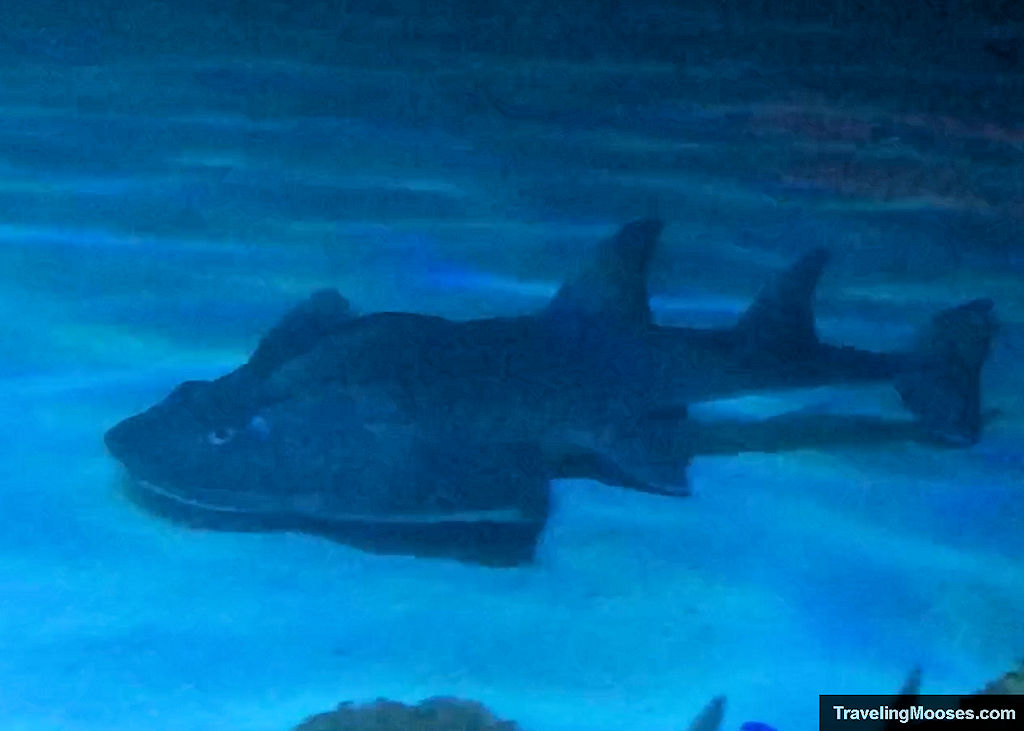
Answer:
x=402 y=432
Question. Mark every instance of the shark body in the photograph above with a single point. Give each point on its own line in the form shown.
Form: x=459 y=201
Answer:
x=403 y=432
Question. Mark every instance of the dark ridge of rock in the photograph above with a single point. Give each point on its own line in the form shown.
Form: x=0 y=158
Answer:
x=433 y=714
x=454 y=714
x=1010 y=684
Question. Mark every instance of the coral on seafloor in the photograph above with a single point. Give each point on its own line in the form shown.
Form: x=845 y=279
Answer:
x=446 y=714
x=710 y=719
x=433 y=714
x=1010 y=684
x=455 y=714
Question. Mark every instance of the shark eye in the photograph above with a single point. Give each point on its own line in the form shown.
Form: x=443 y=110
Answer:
x=217 y=437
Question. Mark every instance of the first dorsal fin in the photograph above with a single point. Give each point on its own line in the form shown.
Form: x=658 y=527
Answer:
x=300 y=329
x=781 y=319
x=613 y=285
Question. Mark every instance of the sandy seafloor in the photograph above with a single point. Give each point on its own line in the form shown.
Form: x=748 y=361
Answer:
x=169 y=188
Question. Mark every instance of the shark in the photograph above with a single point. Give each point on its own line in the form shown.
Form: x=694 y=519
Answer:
x=402 y=432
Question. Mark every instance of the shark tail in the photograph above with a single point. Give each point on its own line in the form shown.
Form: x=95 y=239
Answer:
x=940 y=380
x=942 y=385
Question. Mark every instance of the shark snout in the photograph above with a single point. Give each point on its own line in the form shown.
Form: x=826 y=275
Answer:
x=120 y=438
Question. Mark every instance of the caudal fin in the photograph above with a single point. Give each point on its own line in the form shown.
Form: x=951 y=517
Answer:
x=942 y=386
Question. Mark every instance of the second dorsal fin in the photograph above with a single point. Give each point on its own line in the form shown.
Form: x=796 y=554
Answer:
x=612 y=286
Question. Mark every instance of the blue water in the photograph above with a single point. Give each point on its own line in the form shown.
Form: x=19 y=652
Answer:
x=172 y=180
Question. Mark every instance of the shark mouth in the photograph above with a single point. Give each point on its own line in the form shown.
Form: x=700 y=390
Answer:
x=506 y=515
x=504 y=537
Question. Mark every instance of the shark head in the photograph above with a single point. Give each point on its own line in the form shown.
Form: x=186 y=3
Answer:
x=209 y=445
x=227 y=449
x=346 y=465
